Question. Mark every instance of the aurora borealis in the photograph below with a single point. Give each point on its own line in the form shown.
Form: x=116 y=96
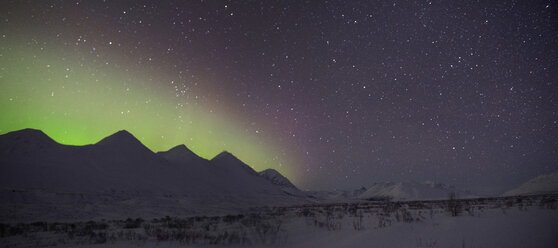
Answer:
x=332 y=94
x=78 y=94
x=78 y=105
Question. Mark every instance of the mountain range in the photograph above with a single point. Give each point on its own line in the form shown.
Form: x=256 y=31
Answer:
x=119 y=172
x=118 y=176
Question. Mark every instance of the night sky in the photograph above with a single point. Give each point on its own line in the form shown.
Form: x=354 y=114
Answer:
x=333 y=94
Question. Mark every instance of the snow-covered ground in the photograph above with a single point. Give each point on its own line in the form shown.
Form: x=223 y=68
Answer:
x=525 y=221
x=490 y=228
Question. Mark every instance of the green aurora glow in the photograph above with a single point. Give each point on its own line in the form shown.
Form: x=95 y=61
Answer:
x=79 y=101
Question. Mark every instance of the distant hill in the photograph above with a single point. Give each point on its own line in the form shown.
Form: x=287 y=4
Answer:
x=394 y=191
x=539 y=185
x=412 y=191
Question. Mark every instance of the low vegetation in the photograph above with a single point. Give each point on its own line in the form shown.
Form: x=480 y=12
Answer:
x=262 y=226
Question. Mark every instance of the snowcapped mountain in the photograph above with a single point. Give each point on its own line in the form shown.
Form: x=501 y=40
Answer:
x=337 y=195
x=118 y=174
x=411 y=191
x=539 y=185
x=394 y=191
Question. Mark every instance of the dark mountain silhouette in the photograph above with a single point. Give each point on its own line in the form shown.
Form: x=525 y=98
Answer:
x=123 y=141
x=180 y=154
x=227 y=161
x=276 y=178
x=30 y=161
x=19 y=141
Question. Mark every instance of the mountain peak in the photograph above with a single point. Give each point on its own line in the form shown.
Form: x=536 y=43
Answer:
x=26 y=141
x=28 y=132
x=123 y=134
x=28 y=136
x=179 y=149
x=226 y=160
x=224 y=155
x=276 y=178
x=119 y=136
x=180 y=153
x=122 y=139
x=271 y=172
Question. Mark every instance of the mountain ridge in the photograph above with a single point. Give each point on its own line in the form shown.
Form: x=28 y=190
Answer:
x=121 y=168
x=119 y=139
